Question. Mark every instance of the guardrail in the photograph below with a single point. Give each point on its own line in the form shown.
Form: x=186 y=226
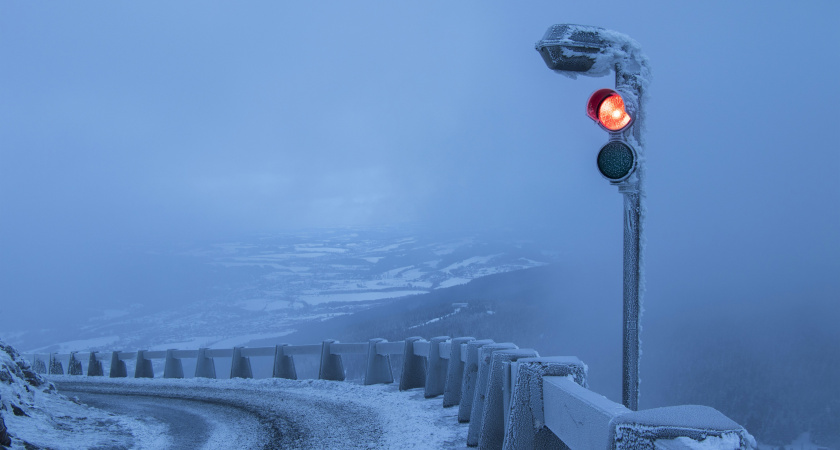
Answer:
x=511 y=397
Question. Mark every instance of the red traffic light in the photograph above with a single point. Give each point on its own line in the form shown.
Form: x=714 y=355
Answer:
x=606 y=107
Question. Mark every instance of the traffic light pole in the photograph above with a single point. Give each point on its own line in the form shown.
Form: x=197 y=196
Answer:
x=629 y=83
x=631 y=341
x=593 y=51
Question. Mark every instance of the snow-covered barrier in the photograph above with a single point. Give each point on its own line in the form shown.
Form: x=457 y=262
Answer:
x=511 y=397
x=583 y=419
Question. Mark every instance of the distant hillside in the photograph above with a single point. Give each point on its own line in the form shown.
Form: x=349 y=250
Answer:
x=774 y=371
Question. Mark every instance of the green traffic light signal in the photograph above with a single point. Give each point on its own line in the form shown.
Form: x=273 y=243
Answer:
x=616 y=161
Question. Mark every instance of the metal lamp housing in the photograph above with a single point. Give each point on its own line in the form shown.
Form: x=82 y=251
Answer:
x=571 y=48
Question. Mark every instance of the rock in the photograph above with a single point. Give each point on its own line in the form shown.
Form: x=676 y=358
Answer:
x=18 y=411
x=5 y=439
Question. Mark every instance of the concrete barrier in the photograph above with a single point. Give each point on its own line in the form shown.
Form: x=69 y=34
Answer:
x=584 y=420
x=512 y=398
x=74 y=366
x=332 y=368
x=455 y=373
x=205 y=367
x=240 y=366
x=118 y=369
x=143 y=367
x=173 y=368
x=94 y=366
x=482 y=382
x=378 y=368
x=526 y=425
x=673 y=427
x=492 y=433
x=39 y=366
x=56 y=368
x=284 y=365
x=436 y=368
x=469 y=379
x=414 y=366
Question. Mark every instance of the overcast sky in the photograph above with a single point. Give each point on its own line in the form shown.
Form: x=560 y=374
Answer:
x=158 y=122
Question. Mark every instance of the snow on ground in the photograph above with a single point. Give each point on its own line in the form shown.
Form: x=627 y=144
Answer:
x=35 y=414
x=355 y=296
x=383 y=416
x=276 y=284
x=72 y=346
x=324 y=414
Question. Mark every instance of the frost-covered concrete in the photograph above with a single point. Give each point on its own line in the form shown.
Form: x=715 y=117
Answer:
x=455 y=374
x=94 y=366
x=118 y=368
x=284 y=365
x=240 y=366
x=526 y=427
x=414 y=367
x=481 y=386
x=205 y=367
x=143 y=367
x=173 y=367
x=513 y=398
x=470 y=378
x=693 y=425
x=378 y=368
x=74 y=366
x=56 y=368
x=332 y=367
x=582 y=419
x=436 y=368
x=492 y=433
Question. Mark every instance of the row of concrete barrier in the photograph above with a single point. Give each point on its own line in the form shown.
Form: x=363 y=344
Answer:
x=511 y=397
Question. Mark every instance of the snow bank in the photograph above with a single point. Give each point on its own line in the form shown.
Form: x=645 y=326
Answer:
x=33 y=414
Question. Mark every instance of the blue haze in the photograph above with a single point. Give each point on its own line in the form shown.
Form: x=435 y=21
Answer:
x=133 y=126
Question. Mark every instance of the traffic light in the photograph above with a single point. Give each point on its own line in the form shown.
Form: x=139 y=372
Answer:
x=617 y=159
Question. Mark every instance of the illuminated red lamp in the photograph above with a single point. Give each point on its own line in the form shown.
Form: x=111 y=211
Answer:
x=606 y=107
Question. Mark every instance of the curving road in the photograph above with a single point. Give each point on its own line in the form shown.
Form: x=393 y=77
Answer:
x=202 y=416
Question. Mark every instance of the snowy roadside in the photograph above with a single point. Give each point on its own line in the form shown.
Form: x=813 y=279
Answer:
x=36 y=416
x=330 y=414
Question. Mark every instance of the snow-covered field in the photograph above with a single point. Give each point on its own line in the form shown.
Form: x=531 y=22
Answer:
x=267 y=287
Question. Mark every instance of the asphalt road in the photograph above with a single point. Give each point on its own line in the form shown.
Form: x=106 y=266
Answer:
x=208 y=417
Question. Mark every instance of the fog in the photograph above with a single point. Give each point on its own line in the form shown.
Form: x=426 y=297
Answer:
x=131 y=129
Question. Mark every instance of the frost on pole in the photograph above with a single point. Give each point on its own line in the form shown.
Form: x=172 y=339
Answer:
x=573 y=50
